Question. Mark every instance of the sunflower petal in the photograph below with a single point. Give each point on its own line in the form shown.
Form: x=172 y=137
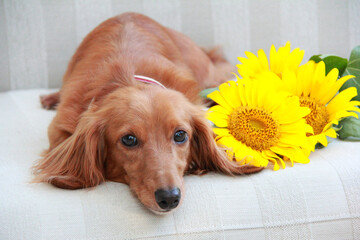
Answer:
x=331 y=92
x=331 y=133
x=263 y=60
x=219 y=122
x=218 y=98
x=219 y=109
x=322 y=139
x=342 y=98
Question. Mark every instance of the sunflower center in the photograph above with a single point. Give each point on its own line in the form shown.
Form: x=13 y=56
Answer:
x=254 y=127
x=318 y=117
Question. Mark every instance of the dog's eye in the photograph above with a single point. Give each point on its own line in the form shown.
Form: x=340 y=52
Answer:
x=129 y=140
x=180 y=136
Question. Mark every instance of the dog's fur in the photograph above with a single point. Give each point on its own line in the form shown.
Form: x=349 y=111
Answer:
x=100 y=102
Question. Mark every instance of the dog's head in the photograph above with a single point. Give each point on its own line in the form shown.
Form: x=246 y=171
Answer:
x=149 y=139
x=141 y=135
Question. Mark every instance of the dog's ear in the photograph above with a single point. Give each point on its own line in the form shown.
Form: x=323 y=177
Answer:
x=78 y=162
x=206 y=156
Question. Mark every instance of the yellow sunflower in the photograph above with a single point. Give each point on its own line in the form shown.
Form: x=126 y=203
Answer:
x=256 y=123
x=318 y=92
x=280 y=61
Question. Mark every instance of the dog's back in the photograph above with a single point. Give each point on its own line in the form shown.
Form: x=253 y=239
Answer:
x=151 y=50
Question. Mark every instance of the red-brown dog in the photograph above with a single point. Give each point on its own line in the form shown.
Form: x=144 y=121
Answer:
x=111 y=126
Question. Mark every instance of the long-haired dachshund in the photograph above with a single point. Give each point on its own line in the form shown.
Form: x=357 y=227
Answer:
x=115 y=122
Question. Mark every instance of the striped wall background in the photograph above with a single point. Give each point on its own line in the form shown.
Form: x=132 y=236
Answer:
x=38 y=37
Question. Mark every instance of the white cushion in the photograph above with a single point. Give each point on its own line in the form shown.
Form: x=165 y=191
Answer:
x=319 y=200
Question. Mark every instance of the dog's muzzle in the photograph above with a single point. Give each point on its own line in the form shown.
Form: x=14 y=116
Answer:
x=168 y=199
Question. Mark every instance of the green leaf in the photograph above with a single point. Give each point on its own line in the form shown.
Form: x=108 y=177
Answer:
x=319 y=146
x=331 y=62
x=207 y=91
x=335 y=62
x=316 y=58
x=349 y=128
x=353 y=68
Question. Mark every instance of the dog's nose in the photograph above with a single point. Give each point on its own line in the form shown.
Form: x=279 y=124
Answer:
x=168 y=199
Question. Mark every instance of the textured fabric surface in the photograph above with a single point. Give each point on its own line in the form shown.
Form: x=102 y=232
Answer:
x=319 y=200
x=38 y=37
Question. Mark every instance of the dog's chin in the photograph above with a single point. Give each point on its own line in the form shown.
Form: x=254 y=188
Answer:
x=161 y=212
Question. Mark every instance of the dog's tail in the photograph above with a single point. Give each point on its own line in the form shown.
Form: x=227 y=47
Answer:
x=223 y=69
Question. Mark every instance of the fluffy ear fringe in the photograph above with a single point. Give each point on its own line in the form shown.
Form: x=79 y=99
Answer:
x=78 y=161
x=206 y=156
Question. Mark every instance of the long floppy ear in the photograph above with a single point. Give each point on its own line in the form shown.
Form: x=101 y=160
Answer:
x=206 y=156
x=78 y=161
